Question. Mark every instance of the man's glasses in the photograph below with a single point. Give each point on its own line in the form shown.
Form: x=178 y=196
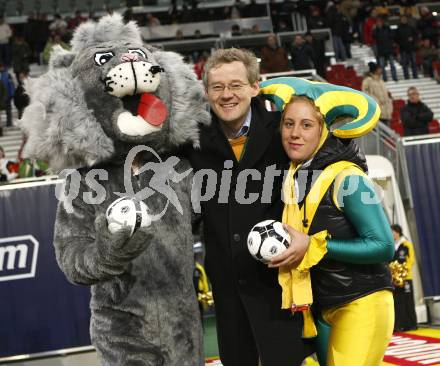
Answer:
x=220 y=88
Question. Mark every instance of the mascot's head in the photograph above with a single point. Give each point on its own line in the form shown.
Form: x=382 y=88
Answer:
x=109 y=93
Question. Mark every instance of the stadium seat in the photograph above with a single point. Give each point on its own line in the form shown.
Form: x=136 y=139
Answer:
x=436 y=69
x=398 y=104
x=350 y=73
x=434 y=126
x=398 y=127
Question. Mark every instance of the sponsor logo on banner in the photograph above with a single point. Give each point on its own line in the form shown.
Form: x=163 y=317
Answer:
x=18 y=257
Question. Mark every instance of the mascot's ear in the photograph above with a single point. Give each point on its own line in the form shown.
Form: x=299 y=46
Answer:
x=60 y=57
x=334 y=101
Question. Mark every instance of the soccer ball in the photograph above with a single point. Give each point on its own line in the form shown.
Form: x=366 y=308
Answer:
x=267 y=239
x=126 y=211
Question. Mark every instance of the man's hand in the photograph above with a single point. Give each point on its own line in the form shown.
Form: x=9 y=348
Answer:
x=299 y=243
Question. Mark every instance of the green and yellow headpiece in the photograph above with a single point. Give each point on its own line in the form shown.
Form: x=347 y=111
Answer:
x=333 y=101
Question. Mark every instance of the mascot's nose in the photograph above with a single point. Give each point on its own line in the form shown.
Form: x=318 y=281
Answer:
x=129 y=57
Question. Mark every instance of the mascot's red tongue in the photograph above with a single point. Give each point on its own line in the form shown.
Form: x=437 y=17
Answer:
x=152 y=109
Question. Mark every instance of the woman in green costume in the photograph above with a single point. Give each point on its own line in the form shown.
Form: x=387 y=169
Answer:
x=333 y=215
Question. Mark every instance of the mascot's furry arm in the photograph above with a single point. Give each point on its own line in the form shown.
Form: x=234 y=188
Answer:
x=86 y=250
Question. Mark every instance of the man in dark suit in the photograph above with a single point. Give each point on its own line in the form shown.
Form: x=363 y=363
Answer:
x=243 y=147
x=415 y=115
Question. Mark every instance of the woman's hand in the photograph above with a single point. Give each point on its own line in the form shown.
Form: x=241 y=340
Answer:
x=299 y=243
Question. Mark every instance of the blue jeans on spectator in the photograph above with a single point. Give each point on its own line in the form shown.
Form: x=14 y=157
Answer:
x=408 y=58
x=340 y=52
x=383 y=61
x=8 y=110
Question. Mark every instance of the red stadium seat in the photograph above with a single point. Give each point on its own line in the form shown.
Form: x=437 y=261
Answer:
x=434 y=126
x=398 y=127
x=398 y=104
x=340 y=75
x=436 y=69
x=338 y=68
x=350 y=73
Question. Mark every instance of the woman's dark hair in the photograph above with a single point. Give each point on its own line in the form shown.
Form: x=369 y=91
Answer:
x=397 y=228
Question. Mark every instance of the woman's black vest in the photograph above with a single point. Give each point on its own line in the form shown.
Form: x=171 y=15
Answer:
x=333 y=282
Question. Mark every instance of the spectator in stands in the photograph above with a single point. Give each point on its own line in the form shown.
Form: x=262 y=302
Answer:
x=338 y=25
x=369 y=25
x=235 y=30
x=252 y=10
x=36 y=33
x=227 y=13
x=152 y=21
x=8 y=83
x=8 y=168
x=374 y=86
x=185 y=15
x=76 y=20
x=21 y=99
x=95 y=16
x=382 y=8
x=347 y=36
x=415 y=115
x=318 y=48
x=349 y=8
x=281 y=26
x=428 y=54
x=173 y=12
x=5 y=36
x=427 y=25
x=28 y=168
x=54 y=40
x=384 y=38
x=406 y=37
x=358 y=21
x=301 y=54
x=59 y=25
x=21 y=54
x=235 y=13
x=179 y=35
x=197 y=34
x=255 y=29
x=274 y=58
x=131 y=3
x=410 y=12
x=404 y=307
x=315 y=20
x=128 y=15
x=199 y=64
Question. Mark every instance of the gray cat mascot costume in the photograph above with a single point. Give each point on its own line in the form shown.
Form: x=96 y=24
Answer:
x=108 y=95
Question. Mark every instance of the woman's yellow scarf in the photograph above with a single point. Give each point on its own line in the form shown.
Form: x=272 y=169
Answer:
x=295 y=281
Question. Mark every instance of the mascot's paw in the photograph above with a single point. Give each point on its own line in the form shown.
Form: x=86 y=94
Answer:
x=121 y=246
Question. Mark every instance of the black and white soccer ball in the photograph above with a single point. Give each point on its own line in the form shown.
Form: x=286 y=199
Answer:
x=267 y=239
x=127 y=212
